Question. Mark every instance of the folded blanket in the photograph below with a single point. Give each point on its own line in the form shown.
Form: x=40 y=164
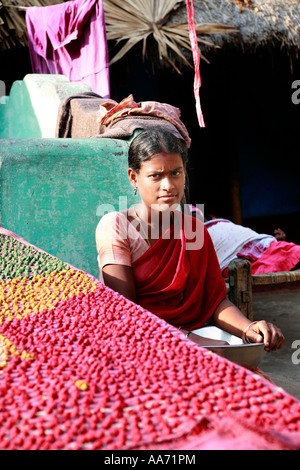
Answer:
x=89 y=115
x=77 y=116
x=159 y=114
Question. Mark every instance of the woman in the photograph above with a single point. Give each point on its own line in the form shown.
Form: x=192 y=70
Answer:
x=162 y=258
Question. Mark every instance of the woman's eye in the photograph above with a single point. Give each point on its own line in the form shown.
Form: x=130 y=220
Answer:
x=157 y=176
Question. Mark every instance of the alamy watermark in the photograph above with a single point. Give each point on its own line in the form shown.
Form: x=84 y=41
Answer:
x=2 y=92
x=191 y=228
x=296 y=93
x=2 y=88
x=296 y=354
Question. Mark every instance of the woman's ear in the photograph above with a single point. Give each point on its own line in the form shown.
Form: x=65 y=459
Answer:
x=132 y=177
x=185 y=172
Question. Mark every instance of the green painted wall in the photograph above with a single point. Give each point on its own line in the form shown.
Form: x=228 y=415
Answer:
x=30 y=110
x=17 y=117
x=52 y=192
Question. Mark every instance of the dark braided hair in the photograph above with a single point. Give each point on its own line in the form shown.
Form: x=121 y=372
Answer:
x=149 y=142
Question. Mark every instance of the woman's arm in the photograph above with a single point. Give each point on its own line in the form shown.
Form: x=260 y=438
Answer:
x=229 y=318
x=120 y=278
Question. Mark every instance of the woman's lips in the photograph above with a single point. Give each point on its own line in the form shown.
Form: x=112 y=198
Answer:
x=167 y=197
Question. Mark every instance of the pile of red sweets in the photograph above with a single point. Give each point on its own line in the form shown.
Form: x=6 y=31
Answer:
x=83 y=368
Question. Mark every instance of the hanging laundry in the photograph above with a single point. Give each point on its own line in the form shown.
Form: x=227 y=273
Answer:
x=196 y=59
x=70 y=39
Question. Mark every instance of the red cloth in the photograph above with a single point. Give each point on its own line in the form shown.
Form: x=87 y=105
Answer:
x=280 y=256
x=196 y=59
x=179 y=284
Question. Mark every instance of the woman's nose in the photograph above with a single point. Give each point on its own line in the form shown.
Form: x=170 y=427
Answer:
x=167 y=183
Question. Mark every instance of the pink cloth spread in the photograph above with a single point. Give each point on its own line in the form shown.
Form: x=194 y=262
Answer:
x=233 y=241
x=267 y=255
x=280 y=256
x=70 y=39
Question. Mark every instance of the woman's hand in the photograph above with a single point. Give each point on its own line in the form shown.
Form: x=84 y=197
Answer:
x=264 y=332
x=229 y=318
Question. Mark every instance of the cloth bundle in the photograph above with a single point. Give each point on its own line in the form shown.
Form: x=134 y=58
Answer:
x=90 y=115
x=110 y=113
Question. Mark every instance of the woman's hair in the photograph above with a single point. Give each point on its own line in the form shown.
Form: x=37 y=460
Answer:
x=152 y=141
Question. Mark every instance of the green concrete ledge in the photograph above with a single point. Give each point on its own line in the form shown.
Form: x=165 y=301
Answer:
x=53 y=192
x=30 y=110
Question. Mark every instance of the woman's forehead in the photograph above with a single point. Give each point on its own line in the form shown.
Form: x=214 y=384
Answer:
x=163 y=160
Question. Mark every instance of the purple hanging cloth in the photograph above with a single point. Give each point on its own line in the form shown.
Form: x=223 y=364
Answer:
x=70 y=39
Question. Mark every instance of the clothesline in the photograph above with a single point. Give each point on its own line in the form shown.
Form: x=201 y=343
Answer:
x=20 y=7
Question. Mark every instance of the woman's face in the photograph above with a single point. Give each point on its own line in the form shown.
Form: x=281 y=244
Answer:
x=160 y=181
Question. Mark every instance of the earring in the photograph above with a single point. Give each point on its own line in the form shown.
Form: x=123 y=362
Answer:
x=135 y=190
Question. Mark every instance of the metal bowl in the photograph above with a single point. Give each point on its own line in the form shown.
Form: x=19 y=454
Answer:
x=246 y=355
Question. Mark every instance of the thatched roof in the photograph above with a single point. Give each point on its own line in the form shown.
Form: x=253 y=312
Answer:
x=238 y=23
x=259 y=22
x=129 y=22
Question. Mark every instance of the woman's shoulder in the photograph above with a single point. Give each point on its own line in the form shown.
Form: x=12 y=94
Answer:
x=111 y=216
x=112 y=222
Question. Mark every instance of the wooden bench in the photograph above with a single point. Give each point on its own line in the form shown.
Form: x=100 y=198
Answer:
x=241 y=283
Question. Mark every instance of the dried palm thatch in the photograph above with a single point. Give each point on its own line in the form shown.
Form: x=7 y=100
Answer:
x=259 y=22
x=255 y=23
x=12 y=21
x=133 y=21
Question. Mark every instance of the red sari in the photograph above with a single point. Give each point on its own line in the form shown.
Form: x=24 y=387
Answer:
x=182 y=285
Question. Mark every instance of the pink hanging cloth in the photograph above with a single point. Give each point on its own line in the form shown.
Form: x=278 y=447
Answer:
x=70 y=39
x=196 y=59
